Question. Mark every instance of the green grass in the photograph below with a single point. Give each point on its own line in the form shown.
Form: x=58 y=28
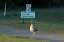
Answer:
x=8 y=38
x=44 y=21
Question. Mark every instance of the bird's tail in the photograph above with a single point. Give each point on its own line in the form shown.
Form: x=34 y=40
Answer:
x=36 y=30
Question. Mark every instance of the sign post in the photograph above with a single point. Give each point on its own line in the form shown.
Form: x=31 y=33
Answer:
x=28 y=13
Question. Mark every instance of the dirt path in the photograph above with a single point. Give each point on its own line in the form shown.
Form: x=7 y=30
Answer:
x=8 y=30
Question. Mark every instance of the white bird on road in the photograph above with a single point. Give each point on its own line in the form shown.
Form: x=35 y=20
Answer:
x=32 y=29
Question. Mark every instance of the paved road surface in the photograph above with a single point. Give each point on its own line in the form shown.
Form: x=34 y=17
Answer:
x=36 y=10
x=8 y=30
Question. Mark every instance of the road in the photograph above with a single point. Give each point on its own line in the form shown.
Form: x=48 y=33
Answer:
x=36 y=10
x=9 y=30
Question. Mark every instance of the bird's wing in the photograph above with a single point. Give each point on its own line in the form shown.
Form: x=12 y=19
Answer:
x=35 y=29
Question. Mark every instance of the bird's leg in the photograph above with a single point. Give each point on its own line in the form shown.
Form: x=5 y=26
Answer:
x=33 y=34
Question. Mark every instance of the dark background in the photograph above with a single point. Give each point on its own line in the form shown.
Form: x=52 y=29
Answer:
x=13 y=4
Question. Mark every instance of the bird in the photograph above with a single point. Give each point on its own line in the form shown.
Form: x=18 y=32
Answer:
x=32 y=29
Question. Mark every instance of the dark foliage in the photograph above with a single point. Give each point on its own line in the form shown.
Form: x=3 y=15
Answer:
x=12 y=4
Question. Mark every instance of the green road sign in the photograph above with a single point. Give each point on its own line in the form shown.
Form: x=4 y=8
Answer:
x=27 y=14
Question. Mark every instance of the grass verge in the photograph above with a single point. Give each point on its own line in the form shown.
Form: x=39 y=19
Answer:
x=44 y=21
x=7 y=38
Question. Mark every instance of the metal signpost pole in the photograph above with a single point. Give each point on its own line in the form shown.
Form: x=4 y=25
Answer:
x=23 y=20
